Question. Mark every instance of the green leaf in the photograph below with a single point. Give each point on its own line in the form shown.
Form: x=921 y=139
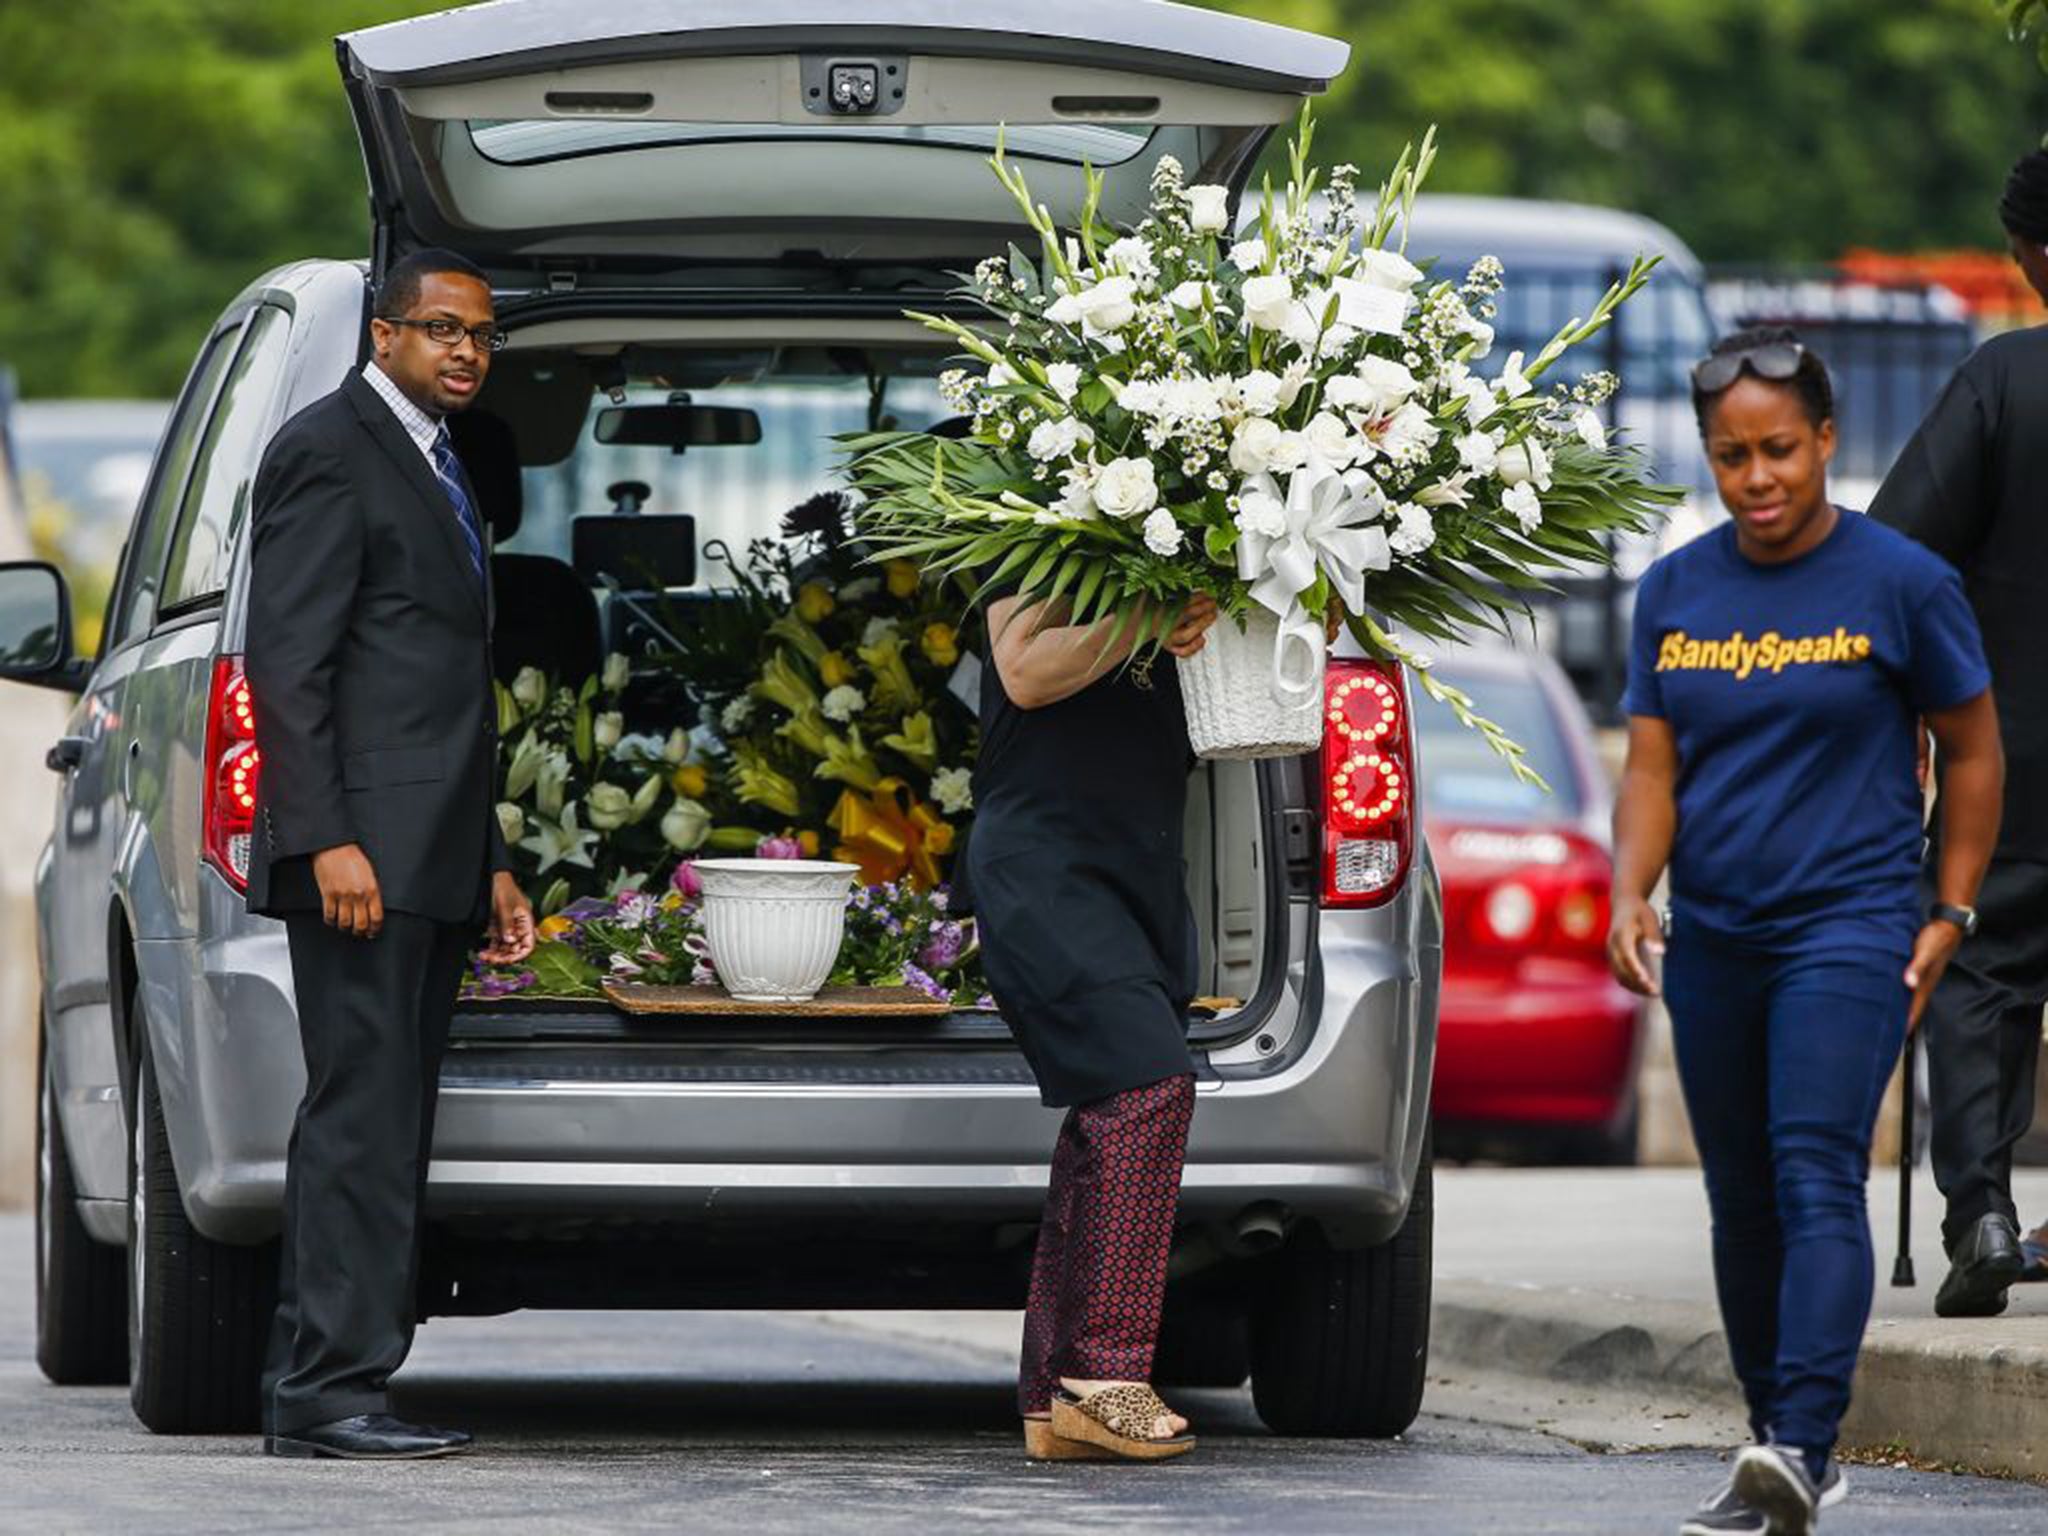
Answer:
x=559 y=971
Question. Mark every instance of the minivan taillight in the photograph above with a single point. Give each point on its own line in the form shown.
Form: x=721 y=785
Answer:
x=232 y=766
x=1368 y=784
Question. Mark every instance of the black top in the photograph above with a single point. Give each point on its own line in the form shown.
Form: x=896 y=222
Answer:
x=1971 y=487
x=1078 y=880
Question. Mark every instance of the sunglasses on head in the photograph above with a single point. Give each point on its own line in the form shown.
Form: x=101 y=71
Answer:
x=1774 y=360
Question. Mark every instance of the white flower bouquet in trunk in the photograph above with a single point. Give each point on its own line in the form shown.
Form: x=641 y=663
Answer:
x=1297 y=422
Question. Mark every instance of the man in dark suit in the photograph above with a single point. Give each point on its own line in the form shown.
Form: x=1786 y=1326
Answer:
x=1970 y=486
x=368 y=657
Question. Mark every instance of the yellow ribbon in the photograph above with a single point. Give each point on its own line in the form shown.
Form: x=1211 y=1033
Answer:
x=890 y=833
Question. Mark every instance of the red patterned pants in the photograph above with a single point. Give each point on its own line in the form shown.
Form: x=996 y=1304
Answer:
x=1100 y=1272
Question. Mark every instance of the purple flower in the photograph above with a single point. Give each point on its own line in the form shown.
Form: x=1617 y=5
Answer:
x=940 y=899
x=685 y=882
x=986 y=1001
x=778 y=848
x=915 y=978
x=942 y=949
x=584 y=908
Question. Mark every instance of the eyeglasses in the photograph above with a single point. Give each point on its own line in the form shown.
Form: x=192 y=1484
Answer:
x=1774 y=360
x=449 y=333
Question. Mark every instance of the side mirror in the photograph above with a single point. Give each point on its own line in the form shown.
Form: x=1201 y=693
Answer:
x=35 y=626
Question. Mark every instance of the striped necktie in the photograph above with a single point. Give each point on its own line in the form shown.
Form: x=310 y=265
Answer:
x=448 y=470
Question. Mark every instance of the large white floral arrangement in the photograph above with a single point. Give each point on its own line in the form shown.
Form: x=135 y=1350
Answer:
x=1298 y=421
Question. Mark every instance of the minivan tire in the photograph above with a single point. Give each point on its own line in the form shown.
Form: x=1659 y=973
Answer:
x=81 y=1285
x=1340 y=1341
x=199 y=1311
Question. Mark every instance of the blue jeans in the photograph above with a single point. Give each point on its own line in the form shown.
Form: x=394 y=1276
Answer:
x=1783 y=1059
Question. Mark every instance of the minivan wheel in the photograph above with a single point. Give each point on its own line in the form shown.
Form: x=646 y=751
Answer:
x=80 y=1284
x=198 y=1311
x=1340 y=1341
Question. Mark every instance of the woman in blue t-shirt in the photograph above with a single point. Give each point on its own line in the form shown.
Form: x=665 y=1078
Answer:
x=1778 y=672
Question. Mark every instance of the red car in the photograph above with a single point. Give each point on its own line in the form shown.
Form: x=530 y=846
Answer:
x=1537 y=1044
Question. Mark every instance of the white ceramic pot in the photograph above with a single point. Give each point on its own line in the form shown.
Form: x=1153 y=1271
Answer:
x=1255 y=691
x=774 y=925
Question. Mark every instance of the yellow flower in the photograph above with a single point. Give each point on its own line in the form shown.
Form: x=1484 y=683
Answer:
x=916 y=740
x=848 y=761
x=808 y=841
x=834 y=670
x=893 y=687
x=807 y=729
x=759 y=784
x=940 y=644
x=690 y=781
x=938 y=838
x=782 y=682
x=555 y=927
x=791 y=629
x=814 y=601
x=902 y=576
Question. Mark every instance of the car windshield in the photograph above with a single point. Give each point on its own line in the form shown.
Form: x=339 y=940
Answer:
x=735 y=492
x=532 y=141
x=1462 y=776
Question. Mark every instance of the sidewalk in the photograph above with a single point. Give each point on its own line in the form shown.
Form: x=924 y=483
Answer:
x=1579 y=1284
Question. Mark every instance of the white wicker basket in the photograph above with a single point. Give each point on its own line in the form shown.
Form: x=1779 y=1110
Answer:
x=775 y=925
x=1247 y=697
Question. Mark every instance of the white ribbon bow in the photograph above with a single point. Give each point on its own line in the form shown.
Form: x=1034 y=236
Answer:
x=1325 y=511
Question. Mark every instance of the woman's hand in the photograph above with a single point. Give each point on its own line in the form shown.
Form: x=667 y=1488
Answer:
x=1191 y=630
x=1932 y=952
x=1635 y=937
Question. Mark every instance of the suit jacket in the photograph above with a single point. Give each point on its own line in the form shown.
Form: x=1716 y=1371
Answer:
x=1972 y=486
x=368 y=658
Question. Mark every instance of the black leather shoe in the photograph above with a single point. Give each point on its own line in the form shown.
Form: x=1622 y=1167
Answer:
x=368 y=1437
x=1984 y=1265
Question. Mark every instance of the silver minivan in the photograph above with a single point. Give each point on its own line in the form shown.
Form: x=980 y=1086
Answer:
x=731 y=202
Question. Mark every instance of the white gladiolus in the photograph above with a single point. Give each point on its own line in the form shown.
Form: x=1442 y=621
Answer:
x=1415 y=530
x=1126 y=487
x=1378 y=386
x=511 y=821
x=1478 y=452
x=1248 y=255
x=1527 y=507
x=686 y=825
x=1078 y=498
x=1480 y=401
x=1065 y=378
x=1293 y=382
x=1209 y=209
x=1512 y=384
x=1591 y=429
x=1331 y=439
x=1268 y=301
x=530 y=688
x=618 y=672
x=843 y=703
x=1000 y=374
x=606 y=729
x=1387 y=269
x=1523 y=462
x=1163 y=536
x=1133 y=257
x=1255 y=445
x=953 y=790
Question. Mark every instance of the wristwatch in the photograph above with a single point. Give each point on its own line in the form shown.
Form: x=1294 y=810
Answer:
x=1964 y=918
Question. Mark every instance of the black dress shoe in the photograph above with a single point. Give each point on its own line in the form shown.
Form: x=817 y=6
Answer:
x=1984 y=1265
x=368 y=1437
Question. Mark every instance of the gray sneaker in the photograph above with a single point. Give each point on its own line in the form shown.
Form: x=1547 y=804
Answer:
x=1727 y=1513
x=1774 y=1480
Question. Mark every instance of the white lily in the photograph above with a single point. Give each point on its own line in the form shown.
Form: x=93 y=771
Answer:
x=560 y=842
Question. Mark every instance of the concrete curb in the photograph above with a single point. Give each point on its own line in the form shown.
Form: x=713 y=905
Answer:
x=1950 y=1392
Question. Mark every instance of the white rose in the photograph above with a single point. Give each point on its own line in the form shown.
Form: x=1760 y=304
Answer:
x=1387 y=269
x=1189 y=295
x=1259 y=392
x=686 y=825
x=1591 y=429
x=1478 y=452
x=1133 y=256
x=1525 y=504
x=1255 y=444
x=1331 y=440
x=618 y=672
x=953 y=789
x=511 y=821
x=607 y=728
x=1377 y=386
x=530 y=688
x=1268 y=301
x=1248 y=255
x=1109 y=306
x=1126 y=487
x=843 y=703
x=1523 y=462
x=1065 y=378
x=1291 y=452
x=677 y=748
x=1209 y=209
x=1416 y=530
x=1163 y=536
x=610 y=807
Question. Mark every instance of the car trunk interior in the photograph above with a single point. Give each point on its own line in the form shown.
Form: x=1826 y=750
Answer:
x=801 y=381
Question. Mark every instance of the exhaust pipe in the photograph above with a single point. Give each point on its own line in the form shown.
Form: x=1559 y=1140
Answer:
x=1259 y=1228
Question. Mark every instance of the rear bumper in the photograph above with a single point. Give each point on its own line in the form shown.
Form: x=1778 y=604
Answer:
x=1327 y=1126
x=1561 y=1056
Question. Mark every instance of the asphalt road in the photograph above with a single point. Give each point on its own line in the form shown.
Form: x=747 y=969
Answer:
x=771 y=1424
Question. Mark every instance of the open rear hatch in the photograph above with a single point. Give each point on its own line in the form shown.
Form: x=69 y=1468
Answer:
x=577 y=143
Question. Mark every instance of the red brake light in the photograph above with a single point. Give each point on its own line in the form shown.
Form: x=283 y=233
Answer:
x=1539 y=892
x=233 y=766
x=1368 y=784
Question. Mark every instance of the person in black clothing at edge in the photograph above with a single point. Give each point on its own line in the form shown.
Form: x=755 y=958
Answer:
x=1970 y=486
x=1778 y=672
x=1077 y=883
x=369 y=667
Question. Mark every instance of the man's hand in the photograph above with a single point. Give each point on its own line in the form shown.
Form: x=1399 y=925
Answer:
x=349 y=898
x=1191 y=629
x=1932 y=952
x=1636 y=937
x=511 y=923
